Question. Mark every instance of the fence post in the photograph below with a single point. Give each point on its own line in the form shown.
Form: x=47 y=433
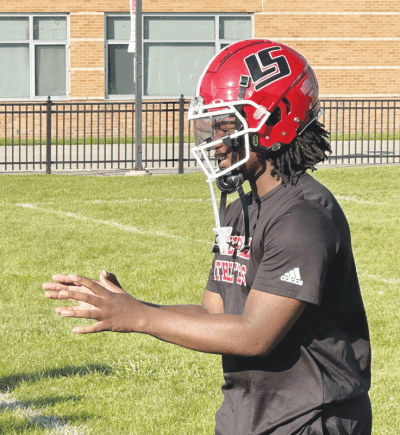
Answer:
x=48 y=135
x=181 y=132
x=138 y=88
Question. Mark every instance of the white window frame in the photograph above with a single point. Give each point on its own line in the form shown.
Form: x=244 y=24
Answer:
x=32 y=43
x=217 y=42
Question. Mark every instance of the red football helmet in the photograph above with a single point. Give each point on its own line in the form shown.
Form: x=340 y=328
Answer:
x=267 y=89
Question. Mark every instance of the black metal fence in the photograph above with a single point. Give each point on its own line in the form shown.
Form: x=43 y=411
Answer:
x=50 y=136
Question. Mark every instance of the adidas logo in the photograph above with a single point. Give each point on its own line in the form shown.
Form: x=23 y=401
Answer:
x=293 y=277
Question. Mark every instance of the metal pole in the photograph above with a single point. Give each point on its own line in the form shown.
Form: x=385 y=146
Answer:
x=48 y=136
x=138 y=91
x=181 y=132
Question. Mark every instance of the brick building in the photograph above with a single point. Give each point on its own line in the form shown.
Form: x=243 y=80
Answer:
x=76 y=50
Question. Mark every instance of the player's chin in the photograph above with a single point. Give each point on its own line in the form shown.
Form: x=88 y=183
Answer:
x=224 y=163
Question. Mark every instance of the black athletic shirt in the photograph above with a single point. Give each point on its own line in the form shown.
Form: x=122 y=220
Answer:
x=300 y=249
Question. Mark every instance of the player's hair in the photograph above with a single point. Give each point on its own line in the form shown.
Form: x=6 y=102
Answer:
x=303 y=153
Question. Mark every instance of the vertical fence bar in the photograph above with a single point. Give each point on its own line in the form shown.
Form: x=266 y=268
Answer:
x=356 y=130
x=112 y=136
x=26 y=137
x=12 y=137
x=330 y=129
x=160 y=112
x=387 y=131
x=63 y=118
x=98 y=135
x=84 y=136
x=166 y=132
x=153 y=117
x=19 y=137
x=394 y=132
x=174 y=105
x=181 y=131
x=56 y=144
x=119 y=135
x=105 y=136
x=146 y=137
x=48 y=135
x=381 y=134
x=133 y=127
x=33 y=135
x=362 y=132
x=5 y=138
x=189 y=143
x=91 y=136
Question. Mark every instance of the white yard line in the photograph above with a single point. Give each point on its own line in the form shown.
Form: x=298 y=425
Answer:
x=106 y=222
x=7 y=403
x=132 y=200
x=358 y=200
x=123 y=201
x=379 y=278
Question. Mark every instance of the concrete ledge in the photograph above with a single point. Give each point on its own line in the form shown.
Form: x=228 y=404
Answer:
x=136 y=172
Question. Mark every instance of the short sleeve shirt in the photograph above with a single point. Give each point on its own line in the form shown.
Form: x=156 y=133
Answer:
x=300 y=249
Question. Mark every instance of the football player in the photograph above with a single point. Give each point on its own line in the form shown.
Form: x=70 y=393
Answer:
x=282 y=304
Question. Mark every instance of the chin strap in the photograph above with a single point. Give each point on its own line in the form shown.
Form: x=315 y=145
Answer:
x=230 y=183
x=245 y=210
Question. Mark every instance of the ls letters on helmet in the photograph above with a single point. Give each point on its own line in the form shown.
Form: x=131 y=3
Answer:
x=264 y=69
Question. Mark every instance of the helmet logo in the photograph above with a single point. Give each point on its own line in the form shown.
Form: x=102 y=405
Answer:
x=255 y=140
x=265 y=69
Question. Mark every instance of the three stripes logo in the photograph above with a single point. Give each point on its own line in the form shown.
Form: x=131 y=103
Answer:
x=293 y=277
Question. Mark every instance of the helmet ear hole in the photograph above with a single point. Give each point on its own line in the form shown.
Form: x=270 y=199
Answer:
x=275 y=117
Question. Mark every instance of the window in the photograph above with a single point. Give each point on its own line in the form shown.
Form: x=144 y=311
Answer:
x=176 y=49
x=33 y=56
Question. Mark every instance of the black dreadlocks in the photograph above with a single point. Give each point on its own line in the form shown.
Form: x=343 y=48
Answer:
x=303 y=153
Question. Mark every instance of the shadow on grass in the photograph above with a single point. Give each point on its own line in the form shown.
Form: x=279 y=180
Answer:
x=29 y=417
x=9 y=383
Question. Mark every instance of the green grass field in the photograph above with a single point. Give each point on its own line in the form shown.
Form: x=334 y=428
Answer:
x=155 y=234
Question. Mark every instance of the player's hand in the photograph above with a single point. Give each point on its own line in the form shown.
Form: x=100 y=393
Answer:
x=106 y=280
x=104 y=301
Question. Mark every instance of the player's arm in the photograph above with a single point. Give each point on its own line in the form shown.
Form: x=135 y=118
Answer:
x=211 y=303
x=265 y=321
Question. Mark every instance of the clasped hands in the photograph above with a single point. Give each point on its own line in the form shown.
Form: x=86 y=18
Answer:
x=104 y=301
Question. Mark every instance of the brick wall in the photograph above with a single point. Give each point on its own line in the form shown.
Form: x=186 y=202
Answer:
x=352 y=44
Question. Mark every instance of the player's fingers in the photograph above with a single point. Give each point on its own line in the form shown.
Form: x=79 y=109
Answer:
x=51 y=295
x=110 y=282
x=61 y=278
x=97 y=327
x=76 y=313
x=80 y=296
x=55 y=286
x=90 y=284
